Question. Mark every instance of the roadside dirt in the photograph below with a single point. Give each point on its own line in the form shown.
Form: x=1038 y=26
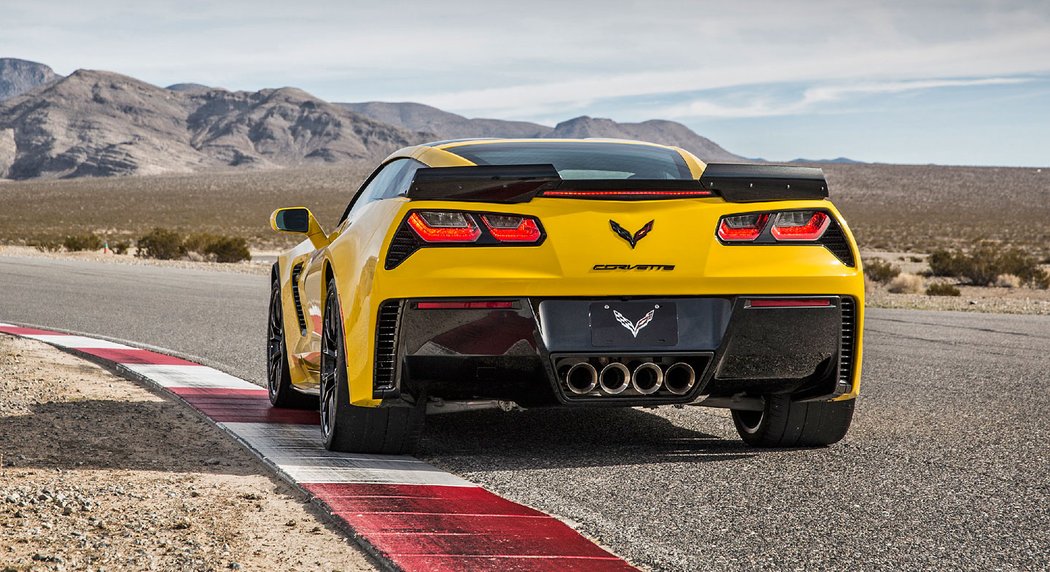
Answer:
x=1022 y=300
x=98 y=473
x=260 y=263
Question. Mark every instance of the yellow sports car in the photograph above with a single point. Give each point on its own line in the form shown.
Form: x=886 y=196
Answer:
x=570 y=273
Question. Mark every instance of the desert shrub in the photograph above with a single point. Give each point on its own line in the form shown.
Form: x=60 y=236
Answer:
x=78 y=242
x=120 y=246
x=915 y=258
x=47 y=245
x=163 y=244
x=228 y=249
x=983 y=265
x=944 y=263
x=942 y=289
x=1007 y=281
x=880 y=270
x=199 y=241
x=906 y=284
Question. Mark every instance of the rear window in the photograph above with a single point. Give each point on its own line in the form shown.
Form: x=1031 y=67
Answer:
x=583 y=160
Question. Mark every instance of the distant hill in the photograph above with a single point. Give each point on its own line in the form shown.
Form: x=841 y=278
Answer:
x=99 y=123
x=837 y=161
x=187 y=87
x=19 y=76
x=96 y=123
x=419 y=117
x=444 y=125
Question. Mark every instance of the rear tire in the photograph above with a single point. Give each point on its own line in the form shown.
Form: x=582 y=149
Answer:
x=278 y=377
x=786 y=423
x=349 y=428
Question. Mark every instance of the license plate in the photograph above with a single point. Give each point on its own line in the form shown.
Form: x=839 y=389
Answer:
x=634 y=324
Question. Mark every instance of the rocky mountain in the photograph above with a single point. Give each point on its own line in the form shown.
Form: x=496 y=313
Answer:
x=19 y=76
x=654 y=130
x=95 y=123
x=445 y=125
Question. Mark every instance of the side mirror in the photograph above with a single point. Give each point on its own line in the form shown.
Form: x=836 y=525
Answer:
x=299 y=220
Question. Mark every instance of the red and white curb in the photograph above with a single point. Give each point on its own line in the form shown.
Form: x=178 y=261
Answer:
x=407 y=513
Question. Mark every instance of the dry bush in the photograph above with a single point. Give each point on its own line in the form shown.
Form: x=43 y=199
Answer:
x=199 y=241
x=1007 y=281
x=120 y=246
x=984 y=263
x=880 y=270
x=228 y=249
x=906 y=284
x=78 y=242
x=162 y=244
x=942 y=289
x=46 y=245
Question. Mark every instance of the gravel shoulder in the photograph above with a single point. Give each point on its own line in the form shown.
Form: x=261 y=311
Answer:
x=260 y=264
x=97 y=473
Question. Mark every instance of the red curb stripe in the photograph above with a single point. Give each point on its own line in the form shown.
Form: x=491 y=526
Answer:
x=519 y=564
x=20 y=331
x=435 y=527
x=135 y=356
x=253 y=408
x=219 y=391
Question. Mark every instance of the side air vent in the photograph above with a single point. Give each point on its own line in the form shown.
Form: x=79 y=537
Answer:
x=835 y=241
x=296 y=271
x=849 y=345
x=402 y=246
x=385 y=370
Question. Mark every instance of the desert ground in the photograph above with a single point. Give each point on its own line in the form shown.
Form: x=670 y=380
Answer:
x=97 y=473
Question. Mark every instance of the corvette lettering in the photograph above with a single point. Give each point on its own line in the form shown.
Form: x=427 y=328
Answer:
x=658 y=267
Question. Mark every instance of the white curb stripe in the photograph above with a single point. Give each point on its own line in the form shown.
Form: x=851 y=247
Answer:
x=77 y=342
x=297 y=450
x=197 y=376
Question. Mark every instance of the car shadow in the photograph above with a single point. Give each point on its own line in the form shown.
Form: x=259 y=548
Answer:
x=568 y=438
x=130 y=435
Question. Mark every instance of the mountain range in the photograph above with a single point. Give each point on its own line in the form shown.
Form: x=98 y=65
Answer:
x=98 y=123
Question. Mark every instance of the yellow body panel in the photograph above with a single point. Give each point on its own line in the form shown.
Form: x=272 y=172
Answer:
x=578 y=238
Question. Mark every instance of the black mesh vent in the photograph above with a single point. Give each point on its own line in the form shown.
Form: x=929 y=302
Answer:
x=402 y=246
x=836 y=242
x=849 y=345
x=385 y=370
x=296 y=271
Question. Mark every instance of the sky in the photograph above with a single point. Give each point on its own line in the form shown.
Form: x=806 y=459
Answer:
x=964 y=82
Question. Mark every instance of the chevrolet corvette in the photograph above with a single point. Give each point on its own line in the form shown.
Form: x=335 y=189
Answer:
x=569 y=273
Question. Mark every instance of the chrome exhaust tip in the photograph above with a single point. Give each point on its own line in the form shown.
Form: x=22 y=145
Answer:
x=614 y=378
x=647 y=378
x=679 y=378
x=581 y=378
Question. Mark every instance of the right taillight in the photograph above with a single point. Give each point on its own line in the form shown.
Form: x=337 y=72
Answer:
x=800 y=225
x=742 y=228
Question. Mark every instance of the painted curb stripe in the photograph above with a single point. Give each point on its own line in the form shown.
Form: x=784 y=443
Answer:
x=410 y=514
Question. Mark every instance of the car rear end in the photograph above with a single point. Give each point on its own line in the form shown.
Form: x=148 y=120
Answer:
x=600 y=292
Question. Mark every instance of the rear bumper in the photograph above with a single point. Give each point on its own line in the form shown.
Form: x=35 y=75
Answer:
x=522 y=352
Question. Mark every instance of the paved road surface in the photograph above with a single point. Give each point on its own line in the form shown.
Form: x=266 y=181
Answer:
x=947 y=465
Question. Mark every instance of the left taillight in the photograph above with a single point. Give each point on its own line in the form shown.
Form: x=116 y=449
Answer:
x=444 y=226
x=433 y=228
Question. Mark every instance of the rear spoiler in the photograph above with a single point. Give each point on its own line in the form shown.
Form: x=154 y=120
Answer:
x=521 y=183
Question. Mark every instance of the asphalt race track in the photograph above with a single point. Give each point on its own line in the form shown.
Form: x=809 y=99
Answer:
x=947 y=465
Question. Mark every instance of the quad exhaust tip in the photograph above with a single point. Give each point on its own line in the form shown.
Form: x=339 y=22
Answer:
x=581 y=378
x=679 y=378
x=614 y=378
x=647 y=378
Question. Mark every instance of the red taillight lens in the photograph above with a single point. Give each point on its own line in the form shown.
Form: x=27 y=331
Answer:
x=508 y=228
x=442 y=226
x=789 y=303
x=744 y=227
x=800 y=225
x=474 y=305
